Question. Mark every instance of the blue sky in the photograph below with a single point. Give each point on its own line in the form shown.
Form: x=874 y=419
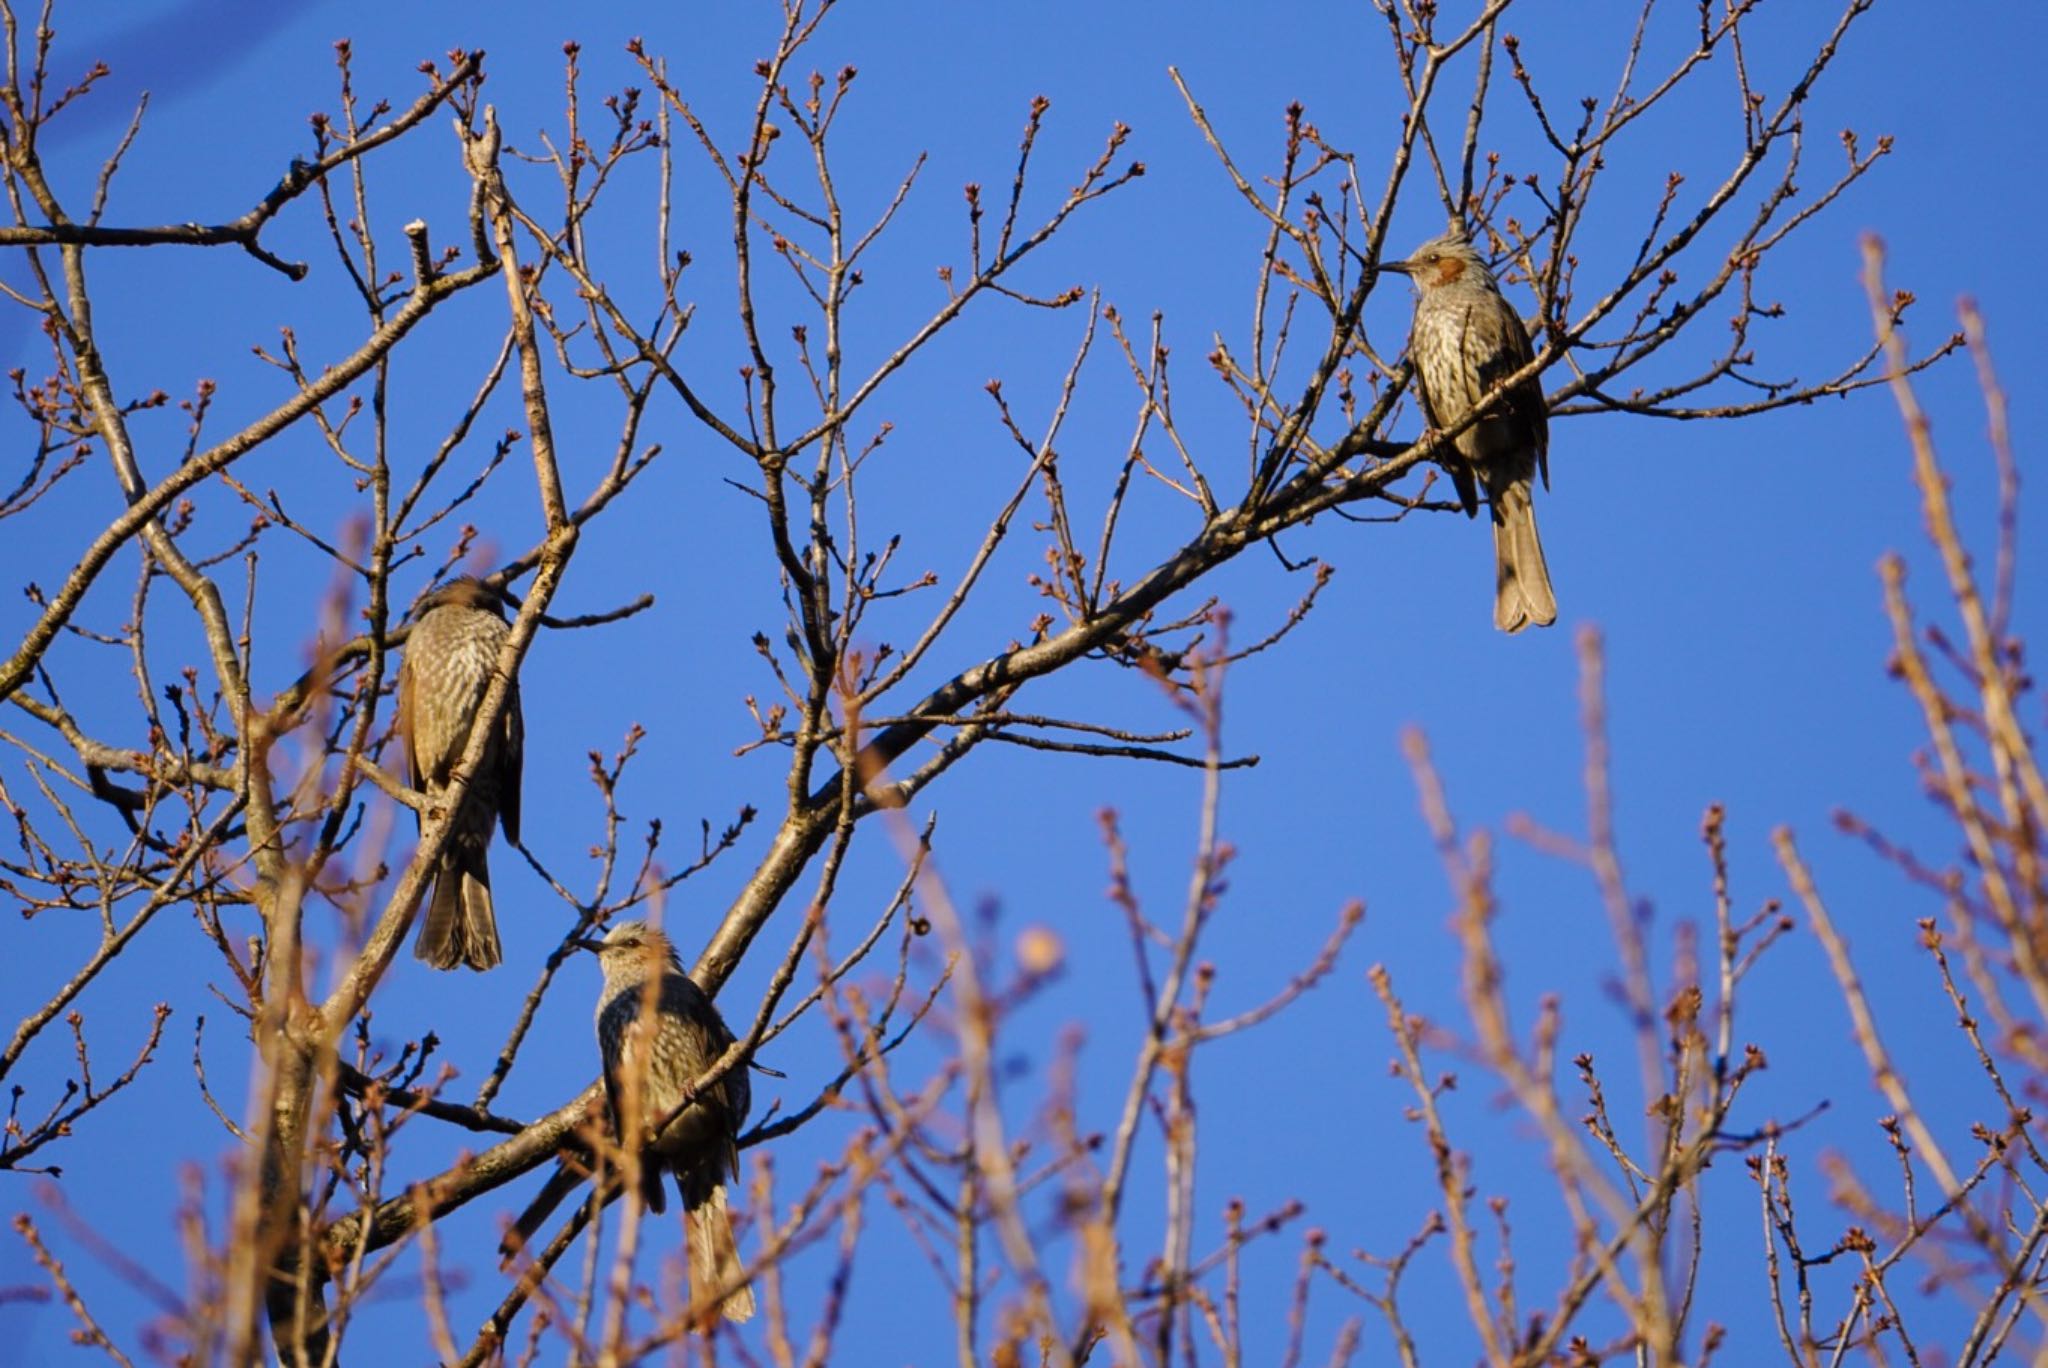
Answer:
x=1731 y=569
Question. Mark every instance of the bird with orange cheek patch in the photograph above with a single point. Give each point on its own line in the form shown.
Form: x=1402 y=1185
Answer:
x=658 y=1031
x=1466 y=339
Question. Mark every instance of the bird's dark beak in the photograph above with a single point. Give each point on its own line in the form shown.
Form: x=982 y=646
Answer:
x=1398 y=267
x=590 y=943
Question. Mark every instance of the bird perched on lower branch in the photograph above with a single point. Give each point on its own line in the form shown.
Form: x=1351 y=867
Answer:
x=658 y=1031
x=1466 y=339
x=458 y=630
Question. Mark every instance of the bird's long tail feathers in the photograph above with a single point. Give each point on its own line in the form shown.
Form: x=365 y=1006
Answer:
x=1522 y=592
x=460 y=925
x=715 y=1258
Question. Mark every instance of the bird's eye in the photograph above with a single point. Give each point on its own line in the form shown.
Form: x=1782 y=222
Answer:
x=1432 y=258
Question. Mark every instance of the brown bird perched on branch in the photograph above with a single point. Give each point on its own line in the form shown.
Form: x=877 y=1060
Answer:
x=657 y=1032
x=1466 y=339
x=457 y=631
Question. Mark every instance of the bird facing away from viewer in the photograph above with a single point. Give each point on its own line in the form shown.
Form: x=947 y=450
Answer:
x=658 y=1031
x=1466 y=339
x=457 y=631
